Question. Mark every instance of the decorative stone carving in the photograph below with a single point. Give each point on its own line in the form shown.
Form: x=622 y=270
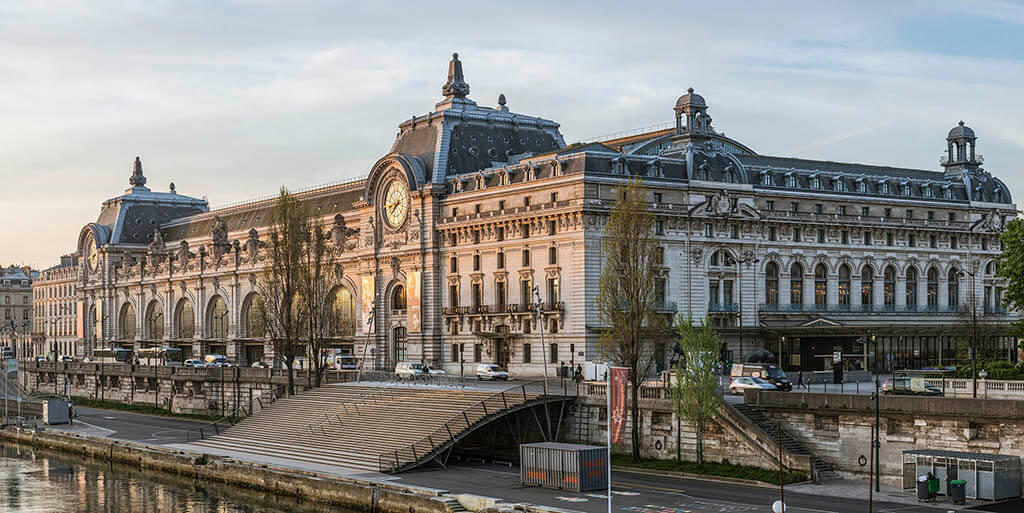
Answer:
x=253 y=245
x=184 y=255
x=340 y=234
x=220 y=243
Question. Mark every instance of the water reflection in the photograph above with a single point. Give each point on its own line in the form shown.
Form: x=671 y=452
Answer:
x=39 y=481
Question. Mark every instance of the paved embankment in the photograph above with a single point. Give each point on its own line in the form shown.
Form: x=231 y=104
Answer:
x=366 y=495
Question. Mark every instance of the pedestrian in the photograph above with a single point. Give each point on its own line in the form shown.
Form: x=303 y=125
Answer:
x=578 y=376
x=800 y=380
x=71 y=412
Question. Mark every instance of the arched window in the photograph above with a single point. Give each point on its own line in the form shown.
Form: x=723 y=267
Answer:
x=252 y=316
x=344 y=313
x=933 y=288
x=844 y=287
x=889 y=287
x=954 y=288
x=796 y=284
x=911 y=286
x=398 y=298
x=127 y=321
x=218 y=318
x=867 y=286
x=820 y=285
x=155 y=321
x=185 y=320
x=771 y=284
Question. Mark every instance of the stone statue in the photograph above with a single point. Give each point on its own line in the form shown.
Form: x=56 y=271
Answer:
x=157 y=245
x=220 y=232
x=341 y=233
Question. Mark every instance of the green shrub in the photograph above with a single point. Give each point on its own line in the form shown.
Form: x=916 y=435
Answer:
x=723 y=469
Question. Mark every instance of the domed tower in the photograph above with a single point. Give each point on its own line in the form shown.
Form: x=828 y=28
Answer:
x=694 y=109
x=960 y=155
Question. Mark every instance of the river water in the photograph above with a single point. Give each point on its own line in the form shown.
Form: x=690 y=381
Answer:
x=39 y=481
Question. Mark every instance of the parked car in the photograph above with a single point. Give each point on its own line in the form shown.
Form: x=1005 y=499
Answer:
x=909 y=386
x=194 y=362
x=411 y=370
x=6 y=353
x=216 y=360
x=347 y=362
x=742 y=383
x=40 y=359
x=491 y=371
x=260 y=364
x=766 y=371
x=65 y=359
x=433 y=372
x=88 y=359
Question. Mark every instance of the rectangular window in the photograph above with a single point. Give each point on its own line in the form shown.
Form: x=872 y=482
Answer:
x=478 y=350
x=499 y=294
x=912 y=241
x=842 y=210
x=526 y=201
x=455 y=211
x=526 y=258
x=707 y=230
x=476 y=262
x=527 y=353
x=771 y=233
x=552 y=255
x=867 y=238
x=453 y=296
x=553 y=325
x=524 y=293
x=476 y=208
x=734 y=231
x=478 y=295
x=501 y=260
x=657 y=197
x=821 y=236
x=931 y=215
x=794 y=207
x=984 y=243
x=769 y=205
x=932 y=242
x=551 y=227
x=659 y=255
x=659 y=228
x=552 y=291
x=554 y=197
x=525 y=228
x=797 y=235
x=888 y=239
x=455 y=353
x=727 y=297
x=659 y=291
x=952 y=216
x=864 y=211
x=451 y=239
x=888 y=212
x=953 y=242
x=713 y=293
x=501 y=204
x=553 y=353
x=500 y=233
x=453 y=265
x=818 y=208
x=844 y=237
x=910 y=214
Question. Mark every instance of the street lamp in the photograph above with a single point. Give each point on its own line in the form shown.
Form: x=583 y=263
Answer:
x=540 y=322
x=876 y=443
x=739 y=267
x=974 y=327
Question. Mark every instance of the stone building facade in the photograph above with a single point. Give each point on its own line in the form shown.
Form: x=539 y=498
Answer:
x=477 y=238
x=16 y=303
x=55 y=307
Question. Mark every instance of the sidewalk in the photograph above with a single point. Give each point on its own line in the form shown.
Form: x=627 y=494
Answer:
x=855 y=489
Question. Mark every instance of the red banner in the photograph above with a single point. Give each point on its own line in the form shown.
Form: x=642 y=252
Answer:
x=617 y=380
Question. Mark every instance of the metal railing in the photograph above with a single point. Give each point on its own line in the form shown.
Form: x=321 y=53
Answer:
x=854 y=309
x=723 y=307
x=462 y=421
x=439 y=380
x=232 y=418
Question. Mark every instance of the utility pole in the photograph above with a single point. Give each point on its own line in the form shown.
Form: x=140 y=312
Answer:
x=544 y=348
x=877 y=430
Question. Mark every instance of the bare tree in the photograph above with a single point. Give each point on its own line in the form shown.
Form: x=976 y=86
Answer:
x=694 y=389
x=279 y=284
x=627 y=298
x=319 y=281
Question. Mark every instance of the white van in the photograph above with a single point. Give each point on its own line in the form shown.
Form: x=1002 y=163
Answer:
x=216 y=360
x=410 y=370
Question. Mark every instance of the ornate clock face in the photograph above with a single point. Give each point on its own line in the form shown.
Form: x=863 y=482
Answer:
x=396 y=203
x=91 y=253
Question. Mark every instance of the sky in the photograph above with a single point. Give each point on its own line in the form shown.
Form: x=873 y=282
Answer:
x=232 y=100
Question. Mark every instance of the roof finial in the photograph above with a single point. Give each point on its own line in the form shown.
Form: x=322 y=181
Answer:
x=172 y=189
x=690 y=90
x=137 y=179
x=456 y=87
x=501 y=103
x=961 y=122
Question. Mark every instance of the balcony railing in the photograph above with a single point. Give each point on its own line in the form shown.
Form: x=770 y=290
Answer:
x=847 y=220
x=856 y=309
x=723 y=307
x=505 y=308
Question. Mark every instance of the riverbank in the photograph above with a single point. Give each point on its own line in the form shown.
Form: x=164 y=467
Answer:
x=354 y=493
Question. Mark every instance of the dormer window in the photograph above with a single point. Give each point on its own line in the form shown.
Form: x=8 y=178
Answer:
x=927 y=190
x=767 y=180
x=816 y=183
x=839 y=185
x=883 y=188
x=791 y=181
x=948 y=193
x=862 y=186
x=906 y=189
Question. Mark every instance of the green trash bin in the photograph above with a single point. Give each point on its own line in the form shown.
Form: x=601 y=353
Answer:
x=958 y=491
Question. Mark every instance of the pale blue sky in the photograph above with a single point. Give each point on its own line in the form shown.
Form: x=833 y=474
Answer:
x=230 y=100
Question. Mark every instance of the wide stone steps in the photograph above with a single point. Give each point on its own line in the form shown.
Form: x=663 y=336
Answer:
x=361 y=427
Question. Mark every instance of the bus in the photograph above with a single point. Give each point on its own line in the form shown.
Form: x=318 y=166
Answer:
x=160 y=356
x=112 y=355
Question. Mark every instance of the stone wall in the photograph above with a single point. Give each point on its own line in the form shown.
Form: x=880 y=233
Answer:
x=178 y=389
x=837 y=428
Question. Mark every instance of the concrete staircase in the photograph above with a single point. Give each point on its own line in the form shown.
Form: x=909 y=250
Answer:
x=821 y=470
x=364 y=428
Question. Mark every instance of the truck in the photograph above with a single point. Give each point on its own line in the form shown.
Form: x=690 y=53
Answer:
x=766 y=371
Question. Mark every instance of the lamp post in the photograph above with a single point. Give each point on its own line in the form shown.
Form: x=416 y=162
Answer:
x=540 y=322
x=974 y=327
x=876 y=442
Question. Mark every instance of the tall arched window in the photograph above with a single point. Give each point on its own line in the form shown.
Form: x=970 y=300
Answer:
x=344 y=313
x=933 y=288
x=398 y=298
x=911 y=286
x=844 y=287
x=954 y=288
x=867 y=286
x=889 y=286
x=185 y=320
x=127 y=321
x=252 y=316
x=218 y=321
x=796 y=284
x=155 y=321
x=820 y=285
x=771 y=284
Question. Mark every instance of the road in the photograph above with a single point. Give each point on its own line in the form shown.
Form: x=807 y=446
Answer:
x=132 y=427
x=643 y=493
